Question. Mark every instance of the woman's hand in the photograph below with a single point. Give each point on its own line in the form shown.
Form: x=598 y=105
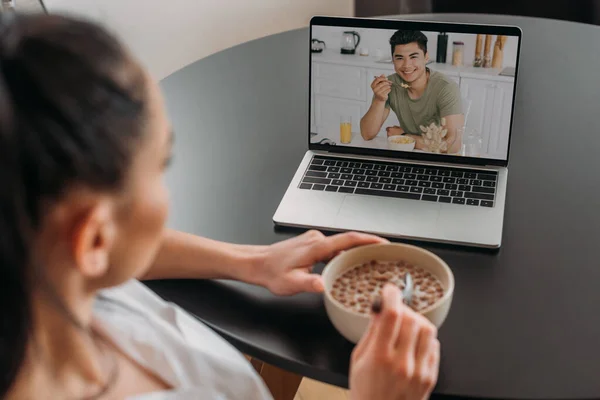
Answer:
x=398 y=357
x=286 y=266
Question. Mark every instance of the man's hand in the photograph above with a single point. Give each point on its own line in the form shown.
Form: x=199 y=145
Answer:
x=394 y=130
x=398 y=356
x=381 y=88
x=287 y=266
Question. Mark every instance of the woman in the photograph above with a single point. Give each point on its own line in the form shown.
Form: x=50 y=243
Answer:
x=84 y=142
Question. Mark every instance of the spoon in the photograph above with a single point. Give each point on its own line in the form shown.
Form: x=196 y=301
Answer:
x=407 y=294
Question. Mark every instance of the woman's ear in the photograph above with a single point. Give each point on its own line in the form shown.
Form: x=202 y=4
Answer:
x=93 y=239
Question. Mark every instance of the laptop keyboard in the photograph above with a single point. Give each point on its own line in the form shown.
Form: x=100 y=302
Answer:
x=404 y=181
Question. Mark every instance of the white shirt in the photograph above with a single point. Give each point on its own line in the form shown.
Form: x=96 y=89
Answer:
x=178 y=348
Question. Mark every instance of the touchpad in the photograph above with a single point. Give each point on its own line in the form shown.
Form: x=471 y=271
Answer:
x=382 y=214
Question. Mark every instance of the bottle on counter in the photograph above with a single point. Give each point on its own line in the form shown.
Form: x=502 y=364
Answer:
x=458 y=54
x=487 y=55
x=478 y=60
x=498 y=58
x=442 y=47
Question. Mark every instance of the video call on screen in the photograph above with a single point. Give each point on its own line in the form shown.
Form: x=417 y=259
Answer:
x=418 y=91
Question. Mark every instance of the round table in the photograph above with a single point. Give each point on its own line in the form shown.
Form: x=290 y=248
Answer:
x=525 y=320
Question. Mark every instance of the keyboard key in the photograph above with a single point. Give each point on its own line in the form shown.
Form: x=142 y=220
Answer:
x=346 y=170
x=333 y=175
x=399 y=195
x=398 y=181
x=397 y=174
x=372 y=179
x=410 y=176
x=463 y=181
x=443 y=192
x=455 y=193
x=350 y=183
x=317 y=168
x=472 y=202
x=337 y=182
x=456 y=174
x=346 y=176
x=412 y=183
x=318 y=187
x=405 y=169
x=435 y=179
x=331 y=189
x=444 y=199
x=316 y=174
x=437 y=185
x=402 y=188
x=317 y=161
x=354 y=165
x=333 y=169
x=476 y=182
x=416 y=190
x=384 y=174
x=366 y=166
x=458 y=200
x=430 y=171
x=360 y=178
x=443 y=172
x=379 y=167
x=486 y=177
x=429 y=191
x=322 y=181
x=341 y=164
x=345 y=189
x=389 y=187
x=385 y=180
x=363 y=184
x=419 y=170
x=449 y=180
x=392 y=168
x=489 y=183
x=376 y=186
x=329 y=163
x=480 y=196
x=424 y=184
x=486 y=203
x=464 y=188
x=451 y=186
x=371 y=173
x=428 y=197
x=305 y=186
x=482 y=189
x=422 y=177
x=358 y=171
x=470 y=175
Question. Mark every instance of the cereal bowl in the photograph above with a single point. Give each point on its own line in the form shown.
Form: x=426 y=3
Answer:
x=352 y=323
x=401 y=142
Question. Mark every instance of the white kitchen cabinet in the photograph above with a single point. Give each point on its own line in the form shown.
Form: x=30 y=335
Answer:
x=329 y=110
x=490 y=112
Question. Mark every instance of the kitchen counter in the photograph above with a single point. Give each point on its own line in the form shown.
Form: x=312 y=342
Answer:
x=333 y=57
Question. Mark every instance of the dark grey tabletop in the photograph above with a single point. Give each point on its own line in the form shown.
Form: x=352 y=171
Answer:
x=525 y=321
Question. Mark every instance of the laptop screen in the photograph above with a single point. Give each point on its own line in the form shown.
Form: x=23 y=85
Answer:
x=427 y=90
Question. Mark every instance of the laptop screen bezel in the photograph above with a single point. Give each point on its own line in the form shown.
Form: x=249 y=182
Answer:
x=431 y=26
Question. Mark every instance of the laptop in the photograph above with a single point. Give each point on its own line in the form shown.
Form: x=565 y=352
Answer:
x=416 y=147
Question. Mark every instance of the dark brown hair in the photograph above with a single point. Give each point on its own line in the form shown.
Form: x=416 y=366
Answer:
x=406 y=37
x=72 y=106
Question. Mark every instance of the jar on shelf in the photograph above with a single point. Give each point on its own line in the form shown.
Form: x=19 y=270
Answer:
x=458 y=51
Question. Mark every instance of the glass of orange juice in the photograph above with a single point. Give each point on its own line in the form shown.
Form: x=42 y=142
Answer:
x=345 y=129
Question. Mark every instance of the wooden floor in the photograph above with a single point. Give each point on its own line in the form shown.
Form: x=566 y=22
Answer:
x=314 y=390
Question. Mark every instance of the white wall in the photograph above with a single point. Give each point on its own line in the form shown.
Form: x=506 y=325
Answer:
x=374 y=39
x=169 y=34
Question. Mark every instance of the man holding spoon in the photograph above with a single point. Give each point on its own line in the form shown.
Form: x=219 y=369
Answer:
x=417 y=95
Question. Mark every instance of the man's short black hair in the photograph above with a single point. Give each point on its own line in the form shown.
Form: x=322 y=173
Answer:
x=406 y=37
